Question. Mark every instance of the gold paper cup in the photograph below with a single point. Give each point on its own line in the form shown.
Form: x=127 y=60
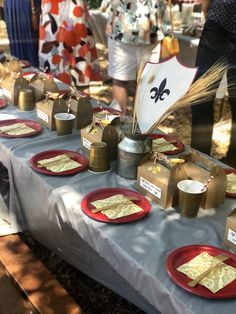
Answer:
x=98 y=157
x=64 y=123
x=190 y=197
x=26 y=100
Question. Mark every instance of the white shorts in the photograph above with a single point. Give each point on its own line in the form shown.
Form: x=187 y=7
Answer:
x=124 y=58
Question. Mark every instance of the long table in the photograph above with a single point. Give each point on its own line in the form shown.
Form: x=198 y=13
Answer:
x=127 y=258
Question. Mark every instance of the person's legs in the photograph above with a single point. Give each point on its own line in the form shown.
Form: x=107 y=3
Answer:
x=120 y=93
x=212 y=48
x=123 y=70
x=124 y=60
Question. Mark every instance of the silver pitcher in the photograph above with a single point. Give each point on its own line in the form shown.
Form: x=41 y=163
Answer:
x=131 y=150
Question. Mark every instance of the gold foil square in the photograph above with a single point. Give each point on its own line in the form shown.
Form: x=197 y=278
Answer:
x=159 y=145
x=219 y=277
x=116 y=206
x=16 y=129
x=59 y=163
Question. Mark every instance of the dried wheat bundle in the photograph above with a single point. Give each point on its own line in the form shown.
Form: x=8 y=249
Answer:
x=202 y=90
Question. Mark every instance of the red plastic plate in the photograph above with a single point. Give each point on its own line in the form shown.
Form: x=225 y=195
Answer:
x=180 y=146
x=3 y=103
x=184 y=254
x=28 y=73
x=53 y=153
x=228 y=171
x=107 y=192
x=32 y=124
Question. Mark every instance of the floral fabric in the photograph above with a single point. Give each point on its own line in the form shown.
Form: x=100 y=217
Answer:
x=135 y=21
x=66 y=46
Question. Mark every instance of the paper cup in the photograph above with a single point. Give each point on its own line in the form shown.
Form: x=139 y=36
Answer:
x=64 y=123
x=26 y=100
x=190 y=197
x=98 y=157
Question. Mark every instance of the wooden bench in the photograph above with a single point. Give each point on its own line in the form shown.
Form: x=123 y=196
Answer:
x=42 y=291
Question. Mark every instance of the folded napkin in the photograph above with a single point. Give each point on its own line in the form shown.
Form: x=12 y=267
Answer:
x=219 y=277
x=159 y=145
x=231 y=183
x=16 y=129
x=59 y=163
x=116 y=206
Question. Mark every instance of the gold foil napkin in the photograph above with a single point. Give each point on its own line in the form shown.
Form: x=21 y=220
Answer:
x=16 y=129
x=219 y=277
x=59 y=163
x=158 y=144
x=231 y=183
x=116 y=206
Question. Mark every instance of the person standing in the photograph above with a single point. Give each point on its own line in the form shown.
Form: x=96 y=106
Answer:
x=22 y=21
x=66 y=47
x=217 y=43
x=133 y=32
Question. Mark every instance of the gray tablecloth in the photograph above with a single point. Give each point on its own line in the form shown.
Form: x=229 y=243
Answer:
x=127 y=258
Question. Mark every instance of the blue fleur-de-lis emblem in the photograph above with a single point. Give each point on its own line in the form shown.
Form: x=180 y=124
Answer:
x=158 y=93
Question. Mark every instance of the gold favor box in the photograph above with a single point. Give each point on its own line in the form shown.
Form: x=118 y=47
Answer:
x=108 y=134
x=42 y=84
x=11 y=88
x=83 y=111
x=201 y=169
x=230 y=231
x=45 y=111
x=159 y=181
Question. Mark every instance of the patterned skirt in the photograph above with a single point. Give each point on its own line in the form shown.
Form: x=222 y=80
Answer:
x=66 y=46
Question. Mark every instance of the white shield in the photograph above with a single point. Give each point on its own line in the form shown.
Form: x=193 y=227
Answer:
x=161 y=85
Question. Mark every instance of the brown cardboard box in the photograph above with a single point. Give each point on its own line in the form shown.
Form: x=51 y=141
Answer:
x=83 y=111
x=230 y=231
x=45 y=111
x=200 y=168
x=107 y=134
x=11 y=88
x=161 y=186
x=41 y=84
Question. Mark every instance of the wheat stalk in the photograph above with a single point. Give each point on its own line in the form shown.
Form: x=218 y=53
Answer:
x=202 y=90
x=205 y=87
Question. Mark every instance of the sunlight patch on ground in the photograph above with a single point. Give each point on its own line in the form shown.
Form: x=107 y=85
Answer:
x=221 y=137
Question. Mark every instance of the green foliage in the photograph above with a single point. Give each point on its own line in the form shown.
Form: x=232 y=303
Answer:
x=93 y=4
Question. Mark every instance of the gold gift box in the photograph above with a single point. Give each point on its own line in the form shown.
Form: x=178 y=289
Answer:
x=201 y=169
x=82 y=109
x=107 y=134
x=158 y=181
x=46 y=109
x=230 y=231
x=11 y=88
x=42 y=84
